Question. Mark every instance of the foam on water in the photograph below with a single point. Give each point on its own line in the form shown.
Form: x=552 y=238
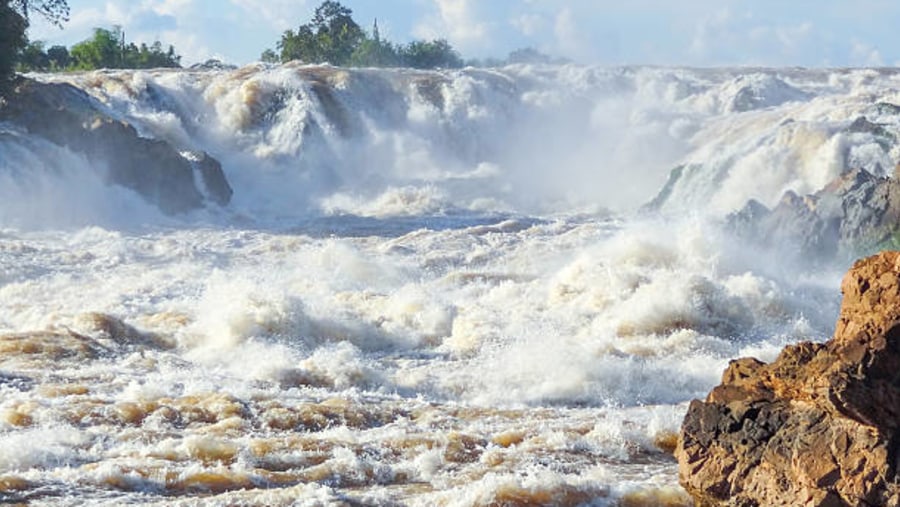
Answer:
x=428 y=289
x=43 y=185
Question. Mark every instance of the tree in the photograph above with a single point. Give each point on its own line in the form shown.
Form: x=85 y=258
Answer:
x=299 y=46
x=100 y=51
x=375 y=52
x=12 y=41
x=269 y=56
x=59 y=58
x=430 y=55
x=33 y=57
x=54 y=11
x=107 y=49
x=14 y=16
x=337 y=33
x=331 y=36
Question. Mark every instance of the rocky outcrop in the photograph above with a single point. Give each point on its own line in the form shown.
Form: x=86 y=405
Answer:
x=67 y=116
x=819 y=426
x=855 y=213
x=215 y=185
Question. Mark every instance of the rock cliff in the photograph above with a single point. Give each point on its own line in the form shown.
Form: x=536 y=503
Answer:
x=67 y=116
x=816 y=427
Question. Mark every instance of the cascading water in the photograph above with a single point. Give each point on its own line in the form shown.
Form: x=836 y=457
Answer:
x=429 y=288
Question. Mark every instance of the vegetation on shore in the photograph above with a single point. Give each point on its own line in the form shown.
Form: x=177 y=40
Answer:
x=14 y=16
x=106 y=49
x=331 y=36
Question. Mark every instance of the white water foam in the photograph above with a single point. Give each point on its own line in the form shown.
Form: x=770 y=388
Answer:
x=418 y=294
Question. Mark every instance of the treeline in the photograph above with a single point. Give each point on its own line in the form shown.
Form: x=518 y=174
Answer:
x=333 y=36
x=106 y=49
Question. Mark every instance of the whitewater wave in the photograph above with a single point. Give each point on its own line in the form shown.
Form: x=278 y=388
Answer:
x=299 y=140
x=429 y=287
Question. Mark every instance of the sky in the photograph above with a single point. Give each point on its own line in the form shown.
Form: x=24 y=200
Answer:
x=808 y=33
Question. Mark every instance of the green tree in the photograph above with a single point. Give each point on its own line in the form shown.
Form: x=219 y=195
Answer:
x=14 y=16
x=375 y=52
x=12 y=41
x=54 y=11
x=59 y=57
x=102 y=51
x=299 y=46
x=430 y=55
x=331 y=36
x=269 y=56
x=107 y=49
x=33 y=57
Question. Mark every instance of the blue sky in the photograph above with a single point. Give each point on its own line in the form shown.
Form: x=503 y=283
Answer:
x=609 y=32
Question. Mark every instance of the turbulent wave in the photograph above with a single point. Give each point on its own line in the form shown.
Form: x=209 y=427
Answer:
x=297 y=139
x=301 y=139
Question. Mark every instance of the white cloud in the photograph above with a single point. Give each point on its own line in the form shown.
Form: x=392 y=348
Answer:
x=865 y=55
x=457 y=21
x=725 y=37
x=528 y=24
x=279 y=14
x=708 y=32
x=570 y=39
x=792 y=37
x=174 y=22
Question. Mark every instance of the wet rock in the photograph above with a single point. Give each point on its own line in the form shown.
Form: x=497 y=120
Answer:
x=879 y=132
x=48 y=346
x=67 y=116
x=213 y=64
x=854 y=214
x=819 y=425
x=121 y=334
x=213 y=178
x=665 y=193
x=885 y=109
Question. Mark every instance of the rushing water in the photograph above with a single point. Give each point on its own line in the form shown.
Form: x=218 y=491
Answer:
x=430 y=288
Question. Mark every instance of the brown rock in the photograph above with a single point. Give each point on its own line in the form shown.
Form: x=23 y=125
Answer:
x=816 y=427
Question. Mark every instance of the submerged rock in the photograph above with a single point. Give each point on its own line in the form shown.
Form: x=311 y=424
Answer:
x=818 y=426
x=67 y=116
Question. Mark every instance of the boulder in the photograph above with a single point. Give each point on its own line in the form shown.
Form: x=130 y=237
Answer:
x=213 y=178
x=816 y=427
x=67 y=116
